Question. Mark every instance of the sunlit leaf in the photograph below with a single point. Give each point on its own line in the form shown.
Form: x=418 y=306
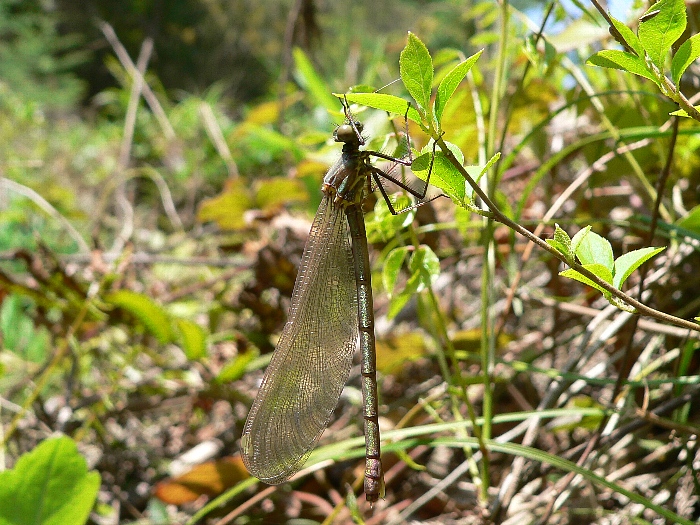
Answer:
x=192 y=338
x=561 y=242
x=228 y=208
x=628 y=35
x=395 y=351
x=451 y=81
x=424 y=263
x=622 y=60
x=236 y=368
x=688 y=53
x=392 y=268
x=598 y=269
x=578 y=237
x=657 y=34
x=443 y=175
x=384 y=102
x=275 y=192
x=312 y=82
x=594 y=249
x=416 y=68
x=50 y=485
x=146 y=310
x=629 y=262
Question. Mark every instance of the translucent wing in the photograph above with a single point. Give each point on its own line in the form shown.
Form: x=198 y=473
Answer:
x=312 y=361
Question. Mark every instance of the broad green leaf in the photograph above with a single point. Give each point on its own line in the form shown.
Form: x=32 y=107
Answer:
x=598 y=269
x=444 y=175
x=277 y=191
x=476 y=172
x=193 y=339
x=384 y=102
x=682 y=112
x=622 y=60
x=594 y=249
x=392 y=267
x=658 y=34
x=416 y=68
x=228 y=208
x=48 y=486
x=691 y=221
x=688 y=53
x=449 y=84
x=382 y=225
x=424 y=263
x=561 y=242
x=234 y=370
x=312 y=81
x=628 y=35
x=578 y=237
x=398 y=301
x=146 y=310
x=629 y=262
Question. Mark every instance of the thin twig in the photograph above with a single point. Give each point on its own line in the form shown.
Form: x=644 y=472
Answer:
x=134 y=72
x=497 y=215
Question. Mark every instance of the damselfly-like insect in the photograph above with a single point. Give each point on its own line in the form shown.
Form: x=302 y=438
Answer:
x=331 y=313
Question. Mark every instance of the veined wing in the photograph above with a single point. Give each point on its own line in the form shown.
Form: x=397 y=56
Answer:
x=312 y=361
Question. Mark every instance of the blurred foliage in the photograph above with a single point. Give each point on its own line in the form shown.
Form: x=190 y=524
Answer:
x=36 y=59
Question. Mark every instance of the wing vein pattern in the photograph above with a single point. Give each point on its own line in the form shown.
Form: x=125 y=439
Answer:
x=312 y=361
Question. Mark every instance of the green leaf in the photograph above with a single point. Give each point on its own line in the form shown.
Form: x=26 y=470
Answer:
x=578 y=237
x=385 y=102
x=444 y=175
x=416 y=68
x=392 y=267
x=688 y=53
x=628 y=35
x=193 y=339
x=146 y=310
x=228 y=208
x=382 y=225
x=425 y=264
x=48 y=486
x=312 y=81
x=682 y=112
x=622 y=60
x=629 y=262
x=658 y=33
x=594 y=249
x=691 y=221
x=598 y=269
x=449 y=84
x=476 y=172
x=234 y=370
x=561 y=242
x=397 y=302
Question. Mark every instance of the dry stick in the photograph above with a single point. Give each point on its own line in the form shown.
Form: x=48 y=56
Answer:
x=155 y=106
x=134 y=72
x=217 y=137
x=125 y=206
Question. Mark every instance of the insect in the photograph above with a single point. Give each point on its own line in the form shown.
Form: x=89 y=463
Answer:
x=331 y=314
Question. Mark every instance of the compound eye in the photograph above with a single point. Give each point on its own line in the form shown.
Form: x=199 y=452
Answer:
x=345 y=133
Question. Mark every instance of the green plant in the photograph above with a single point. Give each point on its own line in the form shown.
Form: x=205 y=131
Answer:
x=50 y=485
